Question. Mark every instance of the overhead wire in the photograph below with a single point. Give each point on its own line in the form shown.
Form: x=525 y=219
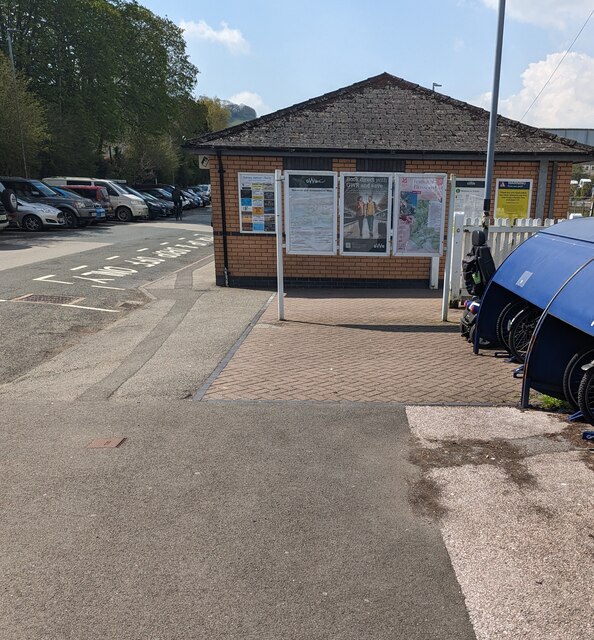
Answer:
x=558 y=65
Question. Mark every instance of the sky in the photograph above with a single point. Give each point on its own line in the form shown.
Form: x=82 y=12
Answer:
x=271 y=54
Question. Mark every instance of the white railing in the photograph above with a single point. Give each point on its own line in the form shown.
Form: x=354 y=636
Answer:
x=503 y=239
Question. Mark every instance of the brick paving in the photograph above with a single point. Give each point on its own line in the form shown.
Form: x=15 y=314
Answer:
x=373 y=346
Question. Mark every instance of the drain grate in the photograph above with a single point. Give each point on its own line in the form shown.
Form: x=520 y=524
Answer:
x=34 y=297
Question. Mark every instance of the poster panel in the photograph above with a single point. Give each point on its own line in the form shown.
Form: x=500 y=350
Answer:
x=469 y=195
x=310 y=212
x=419 y=214
x=256 y=202
x=365 y=213
x=512 y=198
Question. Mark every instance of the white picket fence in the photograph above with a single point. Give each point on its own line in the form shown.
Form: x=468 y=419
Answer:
x=503 y=239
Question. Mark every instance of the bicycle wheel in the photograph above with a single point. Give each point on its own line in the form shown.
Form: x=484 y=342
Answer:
x=586 y=396
x=573 y=375
x=503 y=321
x=521 y=329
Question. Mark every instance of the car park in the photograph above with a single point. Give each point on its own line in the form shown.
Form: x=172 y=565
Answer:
x=160 y=194
x=156 y=208
x=203 y=195
x=127 y=207
x=32 y=216
x=202 y=190
x=77 y=213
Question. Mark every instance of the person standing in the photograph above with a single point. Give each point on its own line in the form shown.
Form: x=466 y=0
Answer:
x=177 y=203
x=371 y=210
x=360 y=214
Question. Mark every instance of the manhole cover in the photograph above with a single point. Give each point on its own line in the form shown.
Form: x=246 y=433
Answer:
x=105 y=443
x=34 y=297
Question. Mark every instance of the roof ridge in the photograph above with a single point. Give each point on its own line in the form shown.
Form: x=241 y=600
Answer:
x=298 y=106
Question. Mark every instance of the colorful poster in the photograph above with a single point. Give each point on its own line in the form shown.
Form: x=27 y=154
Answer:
x=365 y=213
x=310 y=212
x=469 y=195
x=256 y=203
x=512 y=198
x=419 y=214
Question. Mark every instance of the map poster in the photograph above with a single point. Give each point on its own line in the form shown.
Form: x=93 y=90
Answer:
x=365 y=213
x=512 y=198
x=419 y=214
x=310 y=212
x=469 y=195
x=256 y=203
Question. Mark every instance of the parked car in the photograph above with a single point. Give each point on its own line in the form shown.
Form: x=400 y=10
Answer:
x=195 y=200
x=126 y=206
x=205 y=197
x=99 y=210
x=32 y=216
x=156 y=208
x=8 y=206
x=189 y=201
x=77 y=213
x=160 y=194
x=203 y=190
x=97 y=194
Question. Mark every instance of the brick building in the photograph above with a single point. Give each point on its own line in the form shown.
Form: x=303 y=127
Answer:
x=383 y=124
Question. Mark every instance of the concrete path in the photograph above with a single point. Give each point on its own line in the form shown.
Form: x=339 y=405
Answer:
x=237 y=519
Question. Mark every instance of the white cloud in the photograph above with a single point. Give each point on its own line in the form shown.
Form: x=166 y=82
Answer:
x=556 y=14
x=252 y=100
x=232 y=38
x=567 y=101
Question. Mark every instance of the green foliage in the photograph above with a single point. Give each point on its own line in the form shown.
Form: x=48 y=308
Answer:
x=105 y=71
x=218 y=115
x=20 y=111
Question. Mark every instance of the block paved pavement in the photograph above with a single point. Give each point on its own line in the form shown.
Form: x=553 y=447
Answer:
x=363 y=346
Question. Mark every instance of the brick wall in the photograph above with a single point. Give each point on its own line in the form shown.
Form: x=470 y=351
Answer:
x=252 y=258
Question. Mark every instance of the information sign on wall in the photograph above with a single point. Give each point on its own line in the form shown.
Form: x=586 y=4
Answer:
x=419 y=214
x=469 y=194
x=310 y=212
x=256 y=202
x=512 y=198
x=365 y=213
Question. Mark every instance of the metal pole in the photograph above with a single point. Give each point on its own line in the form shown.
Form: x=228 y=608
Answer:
x=16 y=100
x=447 y=272
x=493 y=117
x=278 y=208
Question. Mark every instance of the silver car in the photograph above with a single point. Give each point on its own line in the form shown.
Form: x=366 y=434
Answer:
x=31 y=216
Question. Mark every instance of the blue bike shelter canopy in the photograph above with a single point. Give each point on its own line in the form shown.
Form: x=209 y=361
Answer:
x=536 y=270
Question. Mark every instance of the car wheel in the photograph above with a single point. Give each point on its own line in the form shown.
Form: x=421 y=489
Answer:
x=32 y=223
x=9 y=200
x=69 y=218
x=123 y=214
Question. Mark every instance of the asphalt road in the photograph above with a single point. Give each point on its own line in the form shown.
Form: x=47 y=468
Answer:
x=86 y=279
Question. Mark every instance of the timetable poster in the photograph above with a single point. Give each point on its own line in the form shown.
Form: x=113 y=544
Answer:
x=256 y=202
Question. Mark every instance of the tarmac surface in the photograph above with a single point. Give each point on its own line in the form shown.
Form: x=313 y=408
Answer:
x=234 y=518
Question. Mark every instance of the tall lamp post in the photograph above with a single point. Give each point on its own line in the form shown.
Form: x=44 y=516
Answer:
x=9 y=33
x=493 y=117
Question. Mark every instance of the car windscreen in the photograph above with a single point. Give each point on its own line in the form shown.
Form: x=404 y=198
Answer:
x=133 y=191
x=114 y=185
x=164 y=193
x=43 y=189
x=68 y=194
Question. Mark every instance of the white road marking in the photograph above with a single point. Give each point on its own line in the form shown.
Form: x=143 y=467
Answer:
x=3 y=300
x=112 y=258
x=82 y=266
x=78 y=306
x=47 y=279
x=163 y=243
x=101 y=286
x=145 y=249
x=181 y=238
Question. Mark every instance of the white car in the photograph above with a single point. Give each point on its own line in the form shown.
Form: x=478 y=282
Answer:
x=31 y=216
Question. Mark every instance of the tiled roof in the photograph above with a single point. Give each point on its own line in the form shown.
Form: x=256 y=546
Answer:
x=386 y=114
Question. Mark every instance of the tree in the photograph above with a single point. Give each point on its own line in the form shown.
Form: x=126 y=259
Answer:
x=20 y=111
x=217 y=113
